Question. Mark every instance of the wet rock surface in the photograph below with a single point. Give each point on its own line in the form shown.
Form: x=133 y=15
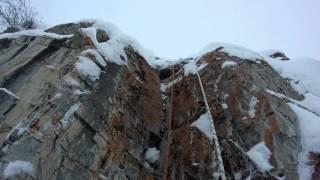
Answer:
x=70 y=127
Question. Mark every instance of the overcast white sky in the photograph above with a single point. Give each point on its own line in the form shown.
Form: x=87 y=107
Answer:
x=178 y=28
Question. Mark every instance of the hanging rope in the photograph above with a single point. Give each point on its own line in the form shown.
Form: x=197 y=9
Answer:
x=169 y=134
x=215 y=138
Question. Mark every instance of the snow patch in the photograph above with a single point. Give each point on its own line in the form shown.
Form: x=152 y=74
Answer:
x=252 y=107
x=309 y=124
x=34 y=33
x=152 y=155
x=18 y=168
x=304 y=76
x=302 y=72
x=97 y=56
x=71 y=81
x=232 y=50
x=228 y=64
x=67 y=118
x=87 y=68
x=224 y=106
x=78 y=92
x=113 y=49
x=204 y=125
x=165 y=86
x=91 y=33
x=260 y=154
x=190 y=68
x=57 y=96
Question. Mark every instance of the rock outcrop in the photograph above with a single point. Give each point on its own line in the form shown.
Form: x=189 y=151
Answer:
x=74 y=112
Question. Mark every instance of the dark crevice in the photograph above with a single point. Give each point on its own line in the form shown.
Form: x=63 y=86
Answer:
x=5 y=43
x=85 y=123
x=165 y=73
x=11 y=106
x=154 y=140
x=19 y=51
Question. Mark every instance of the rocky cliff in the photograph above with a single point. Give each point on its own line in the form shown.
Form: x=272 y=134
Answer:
x=83 y=101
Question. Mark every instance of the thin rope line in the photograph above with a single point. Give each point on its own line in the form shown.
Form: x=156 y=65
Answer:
x=215 y=138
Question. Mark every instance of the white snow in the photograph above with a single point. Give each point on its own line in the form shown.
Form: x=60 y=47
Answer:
x=304 y=76
x=232 y=50
x=165 y=86
x=204 y=125
x=67 y=118
x=303 y=72
x=9 y=93
x=97 y=56
x=228 y=64
x=252 y=107
x=152 y=155
x=17 y=168
x=162 y=63
x=78 y=92
x=309 y=124
x=57 y=96
x=113 y=49
x=91 y=33
x=33 y=32
x=190 y=68
x=71 y=81
x=224 y=106
x=260 y=154
x=87 y=68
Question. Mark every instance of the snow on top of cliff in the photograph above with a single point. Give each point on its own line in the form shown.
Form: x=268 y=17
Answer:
x=18 y=168
x=304 y=72
x=114 y=49
x=304 y=76
x=260 y=154
x=231 y=50
x=33 y=32
x=190 y=68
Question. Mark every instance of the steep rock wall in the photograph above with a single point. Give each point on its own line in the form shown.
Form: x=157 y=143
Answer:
x=70 y=125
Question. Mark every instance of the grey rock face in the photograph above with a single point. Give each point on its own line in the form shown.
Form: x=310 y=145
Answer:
x=69 y=127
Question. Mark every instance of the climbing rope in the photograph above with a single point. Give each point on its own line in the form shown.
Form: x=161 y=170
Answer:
x=169 y=134
x=215 y=138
